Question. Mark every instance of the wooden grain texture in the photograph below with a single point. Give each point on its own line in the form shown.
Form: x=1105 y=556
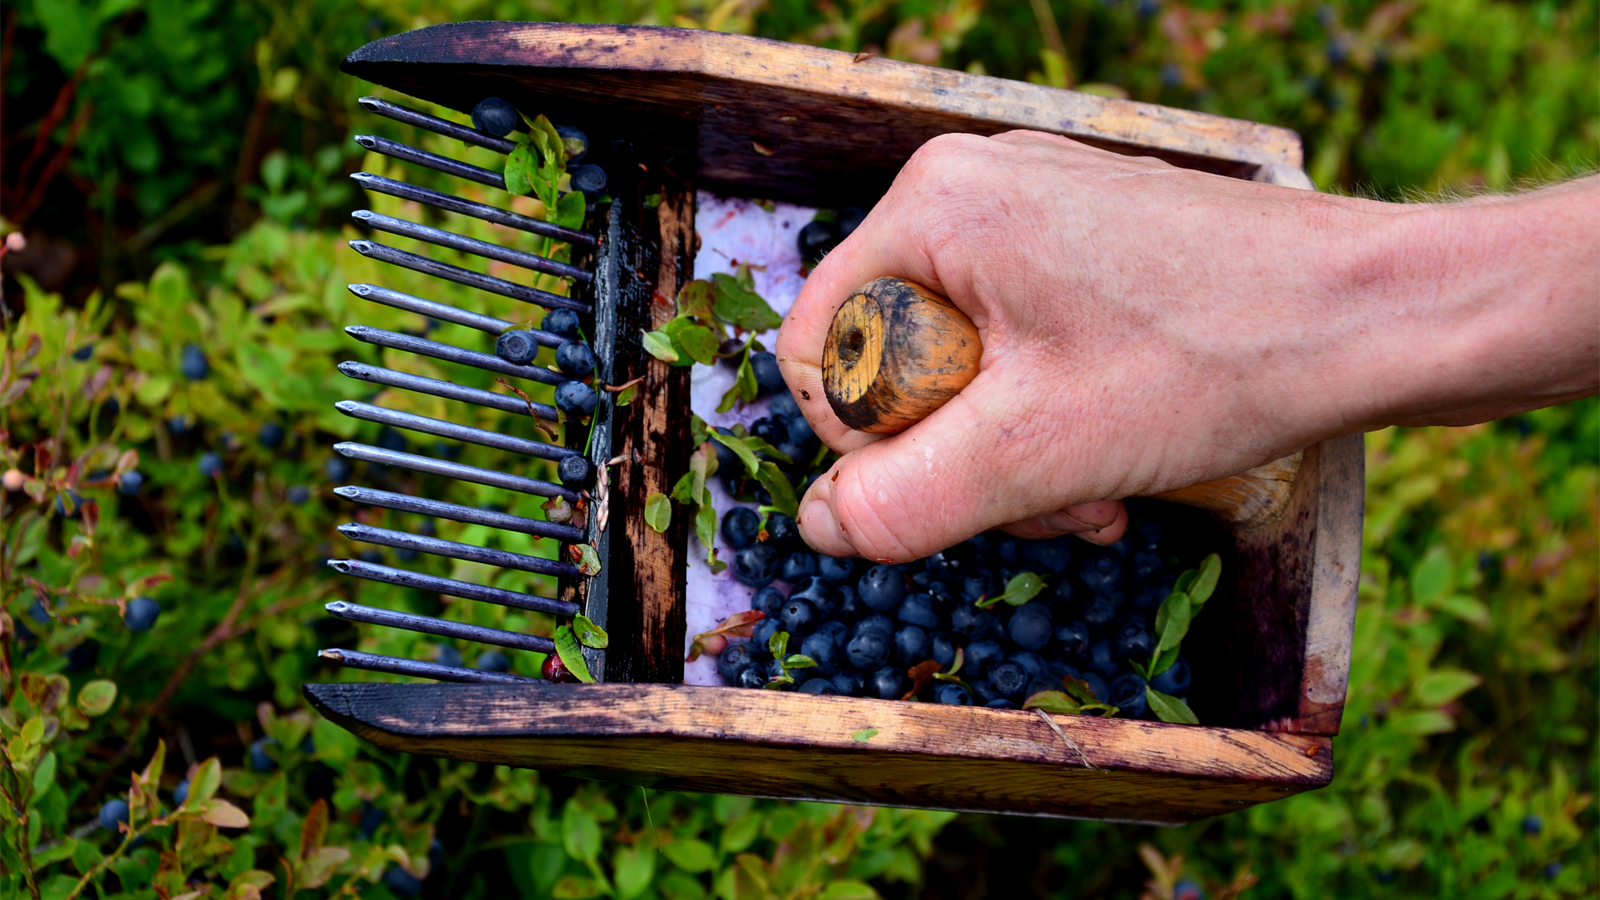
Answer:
x=781 y=120
x=895 y=352
x=766 y=743
x=1251 y=498
x=653 y=250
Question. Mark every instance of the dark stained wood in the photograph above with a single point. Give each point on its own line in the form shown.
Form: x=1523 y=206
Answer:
x=651 y=250
x=782 y=120
x=766 y=743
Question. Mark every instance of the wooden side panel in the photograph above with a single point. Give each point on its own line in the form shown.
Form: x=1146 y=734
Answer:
x=1335 y=580
x=783 y=120
x=728 y=740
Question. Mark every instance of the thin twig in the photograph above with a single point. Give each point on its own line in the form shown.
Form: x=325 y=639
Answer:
x=1070 y=742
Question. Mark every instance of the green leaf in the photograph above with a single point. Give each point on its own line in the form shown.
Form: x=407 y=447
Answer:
x=696 y=299
x=570 y=210
x=700 y=343
x=1186 y=581
x=1434 y=578
x=588 y=560
x=626 y=395
x=519 y=168
x=1162 y=661
x=1422 y=722
x=741 y=450
x=1205 y=580
x=705 y=528
x=96 y=697
x=1022 y=587
x=1468 y=609
x=777 y=484
x=699 y=431
x=848 y=889
x=691 y=855
x=588 y=633
x=571 y=653
x=1172 y=621
x=44 y=775
x=635 y=868
x=1054 y=702
x=738 y=305
x=798 y=661
x=554 y=148
x=1169 y=708
x=660 y=346
x=658 y=512
x=757 y=445
x=864 y=735
x=203 y=785
x=778 y=644
x=574 y=887
x=63 y=849
x=1443 y=685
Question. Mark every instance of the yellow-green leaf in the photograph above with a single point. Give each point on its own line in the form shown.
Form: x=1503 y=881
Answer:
x=96 y=697
x=658 y=512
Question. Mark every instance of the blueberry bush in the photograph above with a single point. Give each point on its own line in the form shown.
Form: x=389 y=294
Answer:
x=171 y=325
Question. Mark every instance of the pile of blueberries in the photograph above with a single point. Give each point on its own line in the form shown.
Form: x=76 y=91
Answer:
x=576 y=360
x=866 y=626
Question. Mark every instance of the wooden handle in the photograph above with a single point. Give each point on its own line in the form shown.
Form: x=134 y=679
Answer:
x=897 y=351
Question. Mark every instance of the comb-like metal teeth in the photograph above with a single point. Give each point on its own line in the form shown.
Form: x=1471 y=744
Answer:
x=452 y=203
x=418 y=463
x=505 y=559
x=418 y=263
x=371 y=615
x=448 y=390
x=392 y=665
x=433 y=161
x=355 y=409
x=449 y=239
x=451 y=353
x=450 y=587
x=444 y=312
x=436 y=125
x=458 y=513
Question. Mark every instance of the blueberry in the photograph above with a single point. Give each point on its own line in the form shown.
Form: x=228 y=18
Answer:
x=576 y=398
x=952 y=695
x=1552 y=871
x=270 y=436
x=1000 y=703
x=1097 y=685
x=1186 y=889
x=849 y=683
x=771 y=429
x=1032 y=663
x=781 y=530
x=1531 y=825
x=1148 y=599
x=911 y=645
x=1147 y=567
x=818 y=594
x=1127 y=692
x=590 y=179
x=371 y=818
x=799 y=616
x=765 y=629
x=77 y=505
x=210 y=465
x=1103 y=569
x=260 y=760
x=1072 y=639
x=797 y=566
x=868 y=650
x=373 y=556
x=1103 y=659
x=948 y=564
x=942 y=648
x=518 y=346
x=576 y=142
x=492 y=661
x=917 y=609
x=392 y=440
x=980 y=656
x=887 y=683
x=1009 y=679
x=112 y=813
x=849 y=219
x=1101 y=609
x=141 y=614
x=740 y=527
x=800 y=431
x=876 y=622
x=770 y=601
x=1006 y=550
x=180 y=425
x=495 y=116
x=971 y=621
x=1175 y=680
x=816 y=239
x=984 y=693
x=180 y=794
x=750 y=677
x=975 y=587
x=575 y=358
x=881 y=588
x=1030 y=626
x=1132 y=639
x=833 y=570
x=338 y=468
x=784 y=406
x=446 y=655
x=401 y=882
x=734 y=657
x=193 y=363
x=765 y=366
x=575 y=471
x=83 y=353
x=561 y=322
x=836 y=631
x=298 y=494
x=818 y=686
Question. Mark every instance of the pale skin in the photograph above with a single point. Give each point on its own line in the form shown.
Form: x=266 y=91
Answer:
x=1147 y=328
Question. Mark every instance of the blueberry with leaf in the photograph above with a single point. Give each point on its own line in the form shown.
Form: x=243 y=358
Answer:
x=495 y=116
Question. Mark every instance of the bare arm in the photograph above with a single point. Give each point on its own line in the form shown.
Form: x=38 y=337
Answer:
x=1147 y=328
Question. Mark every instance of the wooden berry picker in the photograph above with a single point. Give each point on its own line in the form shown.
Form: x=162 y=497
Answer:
x=613 y=283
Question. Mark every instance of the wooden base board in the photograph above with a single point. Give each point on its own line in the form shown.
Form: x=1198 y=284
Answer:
x=766 y=743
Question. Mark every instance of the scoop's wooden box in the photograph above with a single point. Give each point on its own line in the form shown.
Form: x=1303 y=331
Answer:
x=756 y=118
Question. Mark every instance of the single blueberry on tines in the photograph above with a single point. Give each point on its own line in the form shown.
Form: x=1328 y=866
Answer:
x=734 y=657
x=834 y=570
x=797 y=566
x=575 y=358
x=270 y=436
x=338 y=468
x=764 y=364
x=298 y=494
x=816 y=239
x=516 y=346
x=799 y=616
x=576 y=142
x=113 y=813
x=1175 y=680
x=1132 y=639
x=951 y=694
x=495 y=116
x=818 y=686
x=401 y=882
x=210 y=464
x=260 y=759
x=193 y=363
x=180 y=794
x=1072 y=638
x=849 y=683
x=784 y=406
x=825 y=650
x=492 y=661
x=970 y=621
x=942 y=648
x=887 y=683
x=575 y=471
x=1127 y=693
x=750 y=677
x=590 y=179
x=1030 y=627
x=849 y=219
x=917 y=609
x=756 y=566
x=141 y=614
x=1008 y=679
x=911 y=645
x=576 y=398
x=980 y=656
x=881 y=588
x=868 y=650
x=561 y=322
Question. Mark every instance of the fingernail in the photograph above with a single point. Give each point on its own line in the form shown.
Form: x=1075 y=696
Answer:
x=821 y=530
x=1064 y=522
x=1094 y=515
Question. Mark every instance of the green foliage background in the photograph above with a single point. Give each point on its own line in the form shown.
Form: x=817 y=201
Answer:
x=178 y=167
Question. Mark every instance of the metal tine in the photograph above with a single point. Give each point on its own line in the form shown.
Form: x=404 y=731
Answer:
x=418 y=263
x=450 y=587
x=486 y=249
x=371 y=615
x=444 y=312
x=452 y=203
x=436 y=125
x=458 y=471
x=458 y=513
x=433 y=161
x=372 y=662
x=369 y=412
x=451 y=353
x=504 y=559
x=448 y=390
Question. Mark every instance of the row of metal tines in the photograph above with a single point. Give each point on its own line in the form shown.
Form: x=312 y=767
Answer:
x=408 y=544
